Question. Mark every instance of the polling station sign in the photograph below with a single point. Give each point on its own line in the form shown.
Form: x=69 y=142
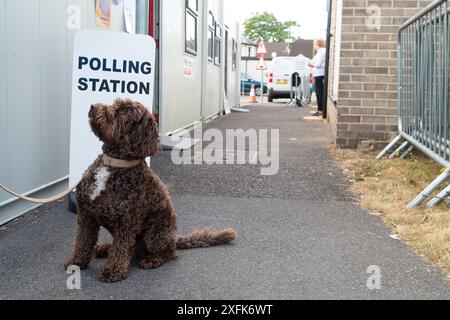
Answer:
x=106 y=66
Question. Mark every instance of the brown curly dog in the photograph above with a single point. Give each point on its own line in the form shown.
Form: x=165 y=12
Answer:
x=122 y=194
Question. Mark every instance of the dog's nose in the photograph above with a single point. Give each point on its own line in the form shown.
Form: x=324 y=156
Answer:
x=92 y=111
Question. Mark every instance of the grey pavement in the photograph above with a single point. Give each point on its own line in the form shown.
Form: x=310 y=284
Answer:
x=300 y=233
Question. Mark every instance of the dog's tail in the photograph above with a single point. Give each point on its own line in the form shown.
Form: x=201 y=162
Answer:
x=205 y=238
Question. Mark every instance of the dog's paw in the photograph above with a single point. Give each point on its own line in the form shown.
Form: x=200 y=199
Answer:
x=101 y=250
x=73 y=262
x=113 y=274
x=151 y=263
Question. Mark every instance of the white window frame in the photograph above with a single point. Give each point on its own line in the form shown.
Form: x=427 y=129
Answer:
x=218 y=35
x=211 y=31
x=194 y=14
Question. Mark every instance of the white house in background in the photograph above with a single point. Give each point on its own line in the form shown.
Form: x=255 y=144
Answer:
x=248 y=47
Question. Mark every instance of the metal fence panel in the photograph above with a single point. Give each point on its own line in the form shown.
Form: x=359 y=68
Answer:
x=423 y=96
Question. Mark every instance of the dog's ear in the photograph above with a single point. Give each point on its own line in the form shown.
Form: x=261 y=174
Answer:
x=150 y=132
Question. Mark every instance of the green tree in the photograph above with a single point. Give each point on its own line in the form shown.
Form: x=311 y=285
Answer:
x=267 y=26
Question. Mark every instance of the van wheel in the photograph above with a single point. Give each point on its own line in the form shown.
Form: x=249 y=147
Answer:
x=258 y=92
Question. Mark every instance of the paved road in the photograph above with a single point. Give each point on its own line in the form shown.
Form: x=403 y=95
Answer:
x=300 y=234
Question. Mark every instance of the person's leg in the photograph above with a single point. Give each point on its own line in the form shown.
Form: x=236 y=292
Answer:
x=319 y=88
x=319 y=92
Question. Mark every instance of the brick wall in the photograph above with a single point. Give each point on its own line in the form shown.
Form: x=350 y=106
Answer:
x=367 y=95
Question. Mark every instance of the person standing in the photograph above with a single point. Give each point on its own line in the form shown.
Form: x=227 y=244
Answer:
x=318 y=65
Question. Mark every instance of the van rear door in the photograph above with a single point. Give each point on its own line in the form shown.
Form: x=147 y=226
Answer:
x=282 y=69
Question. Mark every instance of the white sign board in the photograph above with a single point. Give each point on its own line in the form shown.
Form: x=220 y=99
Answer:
x=261 y=64
x=301 y=66
x=106 y=65
x=261 y=48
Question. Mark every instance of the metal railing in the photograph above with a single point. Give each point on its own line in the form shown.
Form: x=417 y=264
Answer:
x=300 y=94
x=423 y=95
x=306 y=90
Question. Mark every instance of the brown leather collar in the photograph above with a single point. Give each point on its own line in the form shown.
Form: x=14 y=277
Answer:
x=116 y=163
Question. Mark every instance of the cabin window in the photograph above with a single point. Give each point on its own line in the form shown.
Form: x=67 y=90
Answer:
x=234 y=56
x=211 y=22
x=191 y=26
x=218 y=44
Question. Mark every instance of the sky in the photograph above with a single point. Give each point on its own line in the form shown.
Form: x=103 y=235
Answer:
x=310 y=14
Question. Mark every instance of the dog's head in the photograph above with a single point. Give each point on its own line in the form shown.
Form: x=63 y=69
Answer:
x=127 y=129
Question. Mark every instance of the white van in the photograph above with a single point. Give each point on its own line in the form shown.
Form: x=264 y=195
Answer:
x=280 y=75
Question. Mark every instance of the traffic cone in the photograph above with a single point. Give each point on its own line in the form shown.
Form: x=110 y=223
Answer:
x=252 y=98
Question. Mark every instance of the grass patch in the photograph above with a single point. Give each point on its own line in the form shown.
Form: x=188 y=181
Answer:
x=385 y=187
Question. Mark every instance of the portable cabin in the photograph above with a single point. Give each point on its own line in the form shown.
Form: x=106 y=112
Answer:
x=197 y=45
x=36 y=45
